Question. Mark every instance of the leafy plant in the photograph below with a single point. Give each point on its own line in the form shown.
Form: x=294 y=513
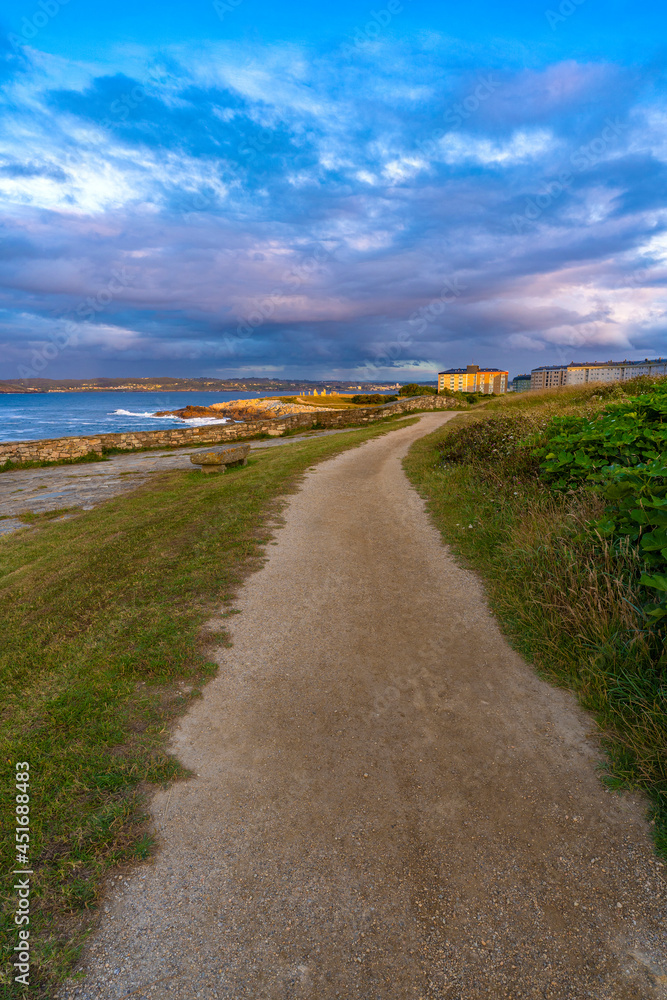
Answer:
x=580 y=449
x=637 y=510
x=621 y=453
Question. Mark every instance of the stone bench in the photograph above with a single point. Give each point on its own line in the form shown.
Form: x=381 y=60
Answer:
x=216 y=459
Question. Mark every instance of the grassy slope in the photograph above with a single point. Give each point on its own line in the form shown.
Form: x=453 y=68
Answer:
x=329 y=402
x=565 y=600
x=102 y=647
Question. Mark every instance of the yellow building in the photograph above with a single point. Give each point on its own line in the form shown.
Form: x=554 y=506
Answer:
x=473 y=379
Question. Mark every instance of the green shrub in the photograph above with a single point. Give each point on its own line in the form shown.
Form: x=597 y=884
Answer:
x=628 y=433
x=637 y=511
x=505 y=439
x=413 y=389
x=372 y=399
x=620 y=453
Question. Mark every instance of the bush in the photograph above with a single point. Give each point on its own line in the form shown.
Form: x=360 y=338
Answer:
x=488 y=442
x=373 y=399
x=413 y=389
x=475 y=397
x=578 y=449
x=620 y=454
x=637 y=513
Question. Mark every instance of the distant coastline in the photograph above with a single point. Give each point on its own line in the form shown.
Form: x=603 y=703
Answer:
x=262 y=386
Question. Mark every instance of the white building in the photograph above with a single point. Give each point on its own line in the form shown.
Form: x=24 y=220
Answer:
x=580 y=373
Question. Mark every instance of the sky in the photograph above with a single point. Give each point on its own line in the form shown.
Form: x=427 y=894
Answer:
x=377 y=192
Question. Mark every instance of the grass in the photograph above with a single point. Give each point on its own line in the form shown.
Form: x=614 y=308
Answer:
x=105 y=641
x=566 y=598
x=332 y=402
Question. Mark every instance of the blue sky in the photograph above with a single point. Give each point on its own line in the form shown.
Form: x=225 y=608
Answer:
x=372 y=192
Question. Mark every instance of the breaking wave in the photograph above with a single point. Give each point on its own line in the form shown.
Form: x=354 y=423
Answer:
x=194 y=422
x=203 y=421
x=132 y=413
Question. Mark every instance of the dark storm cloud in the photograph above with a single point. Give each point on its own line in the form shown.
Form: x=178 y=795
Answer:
x=333 y=216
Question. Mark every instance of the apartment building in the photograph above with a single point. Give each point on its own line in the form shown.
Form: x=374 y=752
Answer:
x=520 y=383
x=548 y=376
x=473 y=379
x=580 y=373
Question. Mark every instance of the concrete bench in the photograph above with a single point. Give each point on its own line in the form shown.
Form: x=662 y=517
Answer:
x=216 y=459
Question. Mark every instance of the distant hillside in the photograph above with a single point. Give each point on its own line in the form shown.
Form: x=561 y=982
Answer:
x=264 y=386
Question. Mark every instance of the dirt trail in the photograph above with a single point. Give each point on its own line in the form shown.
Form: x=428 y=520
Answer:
x=388 y=803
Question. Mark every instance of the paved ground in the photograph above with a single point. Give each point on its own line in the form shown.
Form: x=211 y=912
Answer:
x=387 y=803
x=85 y=486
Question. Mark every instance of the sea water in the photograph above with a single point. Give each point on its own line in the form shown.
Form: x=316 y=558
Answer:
x=35 y=416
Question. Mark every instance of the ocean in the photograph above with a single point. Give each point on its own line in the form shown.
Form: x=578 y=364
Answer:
x=35 y=416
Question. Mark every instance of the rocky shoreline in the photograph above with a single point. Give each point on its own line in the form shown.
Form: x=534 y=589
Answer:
x=269 y=424
x=240 y=410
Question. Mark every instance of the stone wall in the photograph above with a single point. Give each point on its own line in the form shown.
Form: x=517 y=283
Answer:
x=178 y=437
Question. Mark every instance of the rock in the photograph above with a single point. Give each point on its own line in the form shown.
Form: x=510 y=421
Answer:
x=190 y=412
x=241 y=409
x=216 y=459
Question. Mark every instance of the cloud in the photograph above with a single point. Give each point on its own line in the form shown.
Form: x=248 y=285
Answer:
x=282 y=209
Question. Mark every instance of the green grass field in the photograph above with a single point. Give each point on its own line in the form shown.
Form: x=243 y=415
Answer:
x=104 y=643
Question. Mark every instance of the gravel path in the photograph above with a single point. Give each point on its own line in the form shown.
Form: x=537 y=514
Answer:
x=387 y=803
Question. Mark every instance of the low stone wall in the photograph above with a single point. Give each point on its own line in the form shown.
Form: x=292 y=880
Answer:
x=57 y=449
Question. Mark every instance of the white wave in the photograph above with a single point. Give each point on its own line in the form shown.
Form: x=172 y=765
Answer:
x=204 y=421
x=131 y=413
x=193 y=422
